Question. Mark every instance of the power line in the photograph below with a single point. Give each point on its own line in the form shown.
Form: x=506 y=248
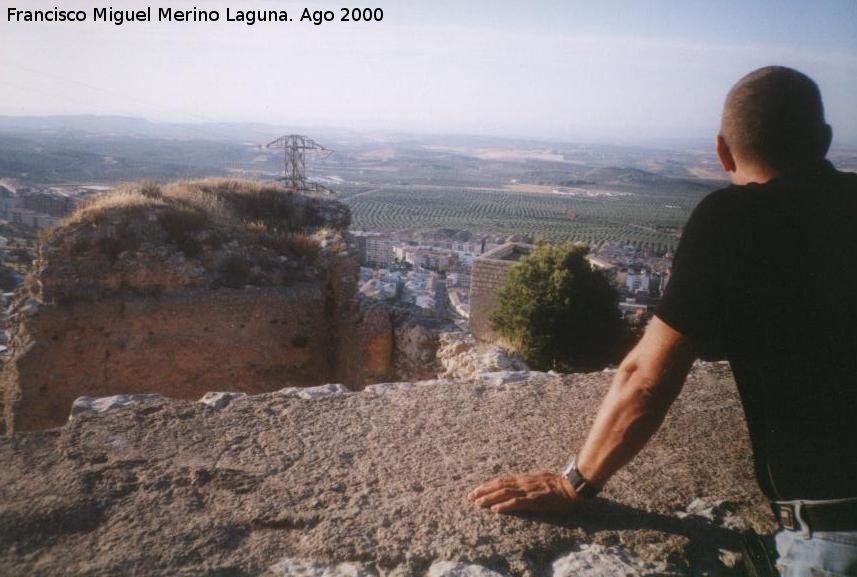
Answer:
x=295 y=149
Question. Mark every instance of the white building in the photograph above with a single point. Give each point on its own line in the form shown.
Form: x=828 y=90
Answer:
x=638 y=281
x=380 y=284
x=379 y=251
x=420 y=288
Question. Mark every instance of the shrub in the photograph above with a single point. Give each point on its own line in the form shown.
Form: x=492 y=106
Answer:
x=150 y=189
x=559 y=312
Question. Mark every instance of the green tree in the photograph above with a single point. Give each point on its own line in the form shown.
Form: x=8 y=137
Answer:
x=559 y=312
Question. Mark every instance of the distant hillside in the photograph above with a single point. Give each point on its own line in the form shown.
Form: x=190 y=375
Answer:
x=71 y=157
x=78 y=123
x=626 y=178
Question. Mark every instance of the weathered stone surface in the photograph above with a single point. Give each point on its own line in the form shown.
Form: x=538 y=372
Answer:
x=218 y=400
x=302 y=568
x=86 y=405
x=721 y=512
x=503 y=377
x=416 y=340
x=462 y=357
x=378 y=481
x=316 y=393
x=453 y=569
x=597 y=561
x=384 y=388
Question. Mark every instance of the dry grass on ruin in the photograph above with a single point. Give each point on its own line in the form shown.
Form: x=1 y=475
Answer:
x=262 y=213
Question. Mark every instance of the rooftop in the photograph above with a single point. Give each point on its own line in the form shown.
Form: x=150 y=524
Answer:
x=511 y=251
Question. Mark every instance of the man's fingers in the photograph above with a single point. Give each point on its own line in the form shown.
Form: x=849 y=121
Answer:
x=481 y=490
x=498 y=496
x=511 y=505
x=495 y=497
x=533 y=492
x=490 y=487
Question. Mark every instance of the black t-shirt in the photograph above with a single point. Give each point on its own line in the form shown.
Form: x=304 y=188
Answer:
x=766 y=276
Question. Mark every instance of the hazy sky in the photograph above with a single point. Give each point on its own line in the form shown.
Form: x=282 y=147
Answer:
x=562 y=69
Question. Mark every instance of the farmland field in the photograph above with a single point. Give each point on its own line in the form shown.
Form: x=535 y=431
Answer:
x=647 y=220
x=587 y=194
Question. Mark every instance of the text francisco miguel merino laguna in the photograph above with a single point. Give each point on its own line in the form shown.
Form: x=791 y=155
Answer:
x=250 y=17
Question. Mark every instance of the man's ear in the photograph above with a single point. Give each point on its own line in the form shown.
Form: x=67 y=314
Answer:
x=826 y=138
x=727 y=161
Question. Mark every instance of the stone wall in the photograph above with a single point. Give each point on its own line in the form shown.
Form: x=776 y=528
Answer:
x=147 y=292
x=184 y=343
x=390 y=342
x=180 y=345
x=365 y=351
x=323 y=482
x=489 y=274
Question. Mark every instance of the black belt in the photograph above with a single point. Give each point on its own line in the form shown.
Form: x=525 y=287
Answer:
x=809 y=516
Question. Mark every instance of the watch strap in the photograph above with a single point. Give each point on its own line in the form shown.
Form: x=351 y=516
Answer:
x=581 y=486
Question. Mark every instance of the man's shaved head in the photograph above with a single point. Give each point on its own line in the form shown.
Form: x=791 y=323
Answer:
x=774 y=116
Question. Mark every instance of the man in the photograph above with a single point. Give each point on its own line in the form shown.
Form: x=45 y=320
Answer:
x=765 y=276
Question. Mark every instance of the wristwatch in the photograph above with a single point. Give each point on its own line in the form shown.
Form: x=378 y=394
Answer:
x=581 y=486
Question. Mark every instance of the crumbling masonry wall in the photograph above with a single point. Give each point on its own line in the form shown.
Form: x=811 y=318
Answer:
x=187 y=288
x=186 y=343
x=488 y=275
x=180 y=345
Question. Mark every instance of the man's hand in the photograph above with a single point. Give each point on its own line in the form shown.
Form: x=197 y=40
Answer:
x=538 y=492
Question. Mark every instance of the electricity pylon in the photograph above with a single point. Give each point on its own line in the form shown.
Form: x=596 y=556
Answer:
x=296 y=149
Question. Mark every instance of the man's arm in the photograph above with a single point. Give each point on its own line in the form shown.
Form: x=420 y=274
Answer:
x=645 y=386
